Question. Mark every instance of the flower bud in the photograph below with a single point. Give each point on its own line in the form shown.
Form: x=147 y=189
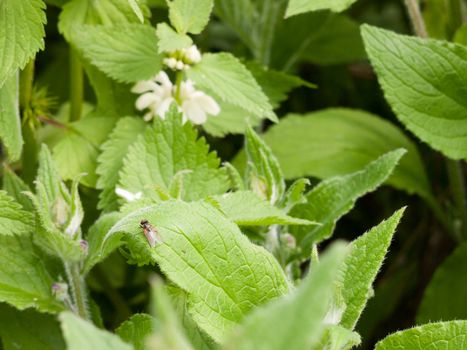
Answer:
x=60 y=291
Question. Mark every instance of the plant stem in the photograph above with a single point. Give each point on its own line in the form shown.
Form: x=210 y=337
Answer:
x=29 y=155
x=178 y=85
x=78 y=289
x=457 y=184
x=416 y=18
x=76 y=85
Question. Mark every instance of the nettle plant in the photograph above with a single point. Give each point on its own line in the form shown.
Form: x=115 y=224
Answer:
x=229 y=241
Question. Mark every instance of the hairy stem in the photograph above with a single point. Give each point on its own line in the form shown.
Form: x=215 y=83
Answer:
x=76 y=86
x=457 y=184
x=416 y=18
x=78 y=289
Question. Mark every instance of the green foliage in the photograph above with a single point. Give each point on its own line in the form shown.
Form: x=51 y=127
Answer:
x=13 y=219
x=29 y=329
x=14 y=186
x=226 y=77
x=423 y=81
x=315 y=144
x=110 y=160
x=336 y=196
x=24 y=280
x=296 y=7
x=10 y=124
x=444 y=297
x=128 y=53
x=205 y=254
x=446 y=335
x=245 y=208
x=136 y=330
x=362 y=266
x=188 y=16
x=80 y=334
x=165 y=149
x=21 y=35
x=170 y=40
x=295 y=321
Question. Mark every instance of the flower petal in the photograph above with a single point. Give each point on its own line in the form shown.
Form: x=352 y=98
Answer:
x=145 y=100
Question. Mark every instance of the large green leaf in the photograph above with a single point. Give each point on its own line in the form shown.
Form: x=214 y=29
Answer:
x=362 y=266
x=336 y=196
x=245 y=208
x=80 y=334
x=167 y=149
x=206 y=255
x=29 y=329
x=340 y=141
x=127 y=53
x=10 y=122
x=444 y=335
x=21 y=34
x=296 y=7
x=225 y=77
x=444 y=298
x=15 y=187
x=13 y=219
x=189 y=16
x=24 y=280
x=295 y=321
x=110 y=160
x=136 y=329
x=424 y=82
x=170 y=40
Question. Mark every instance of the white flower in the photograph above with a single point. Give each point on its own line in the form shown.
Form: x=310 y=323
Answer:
x=196 y=105
x=192 y=54
x=157 y=95
x=129 y=196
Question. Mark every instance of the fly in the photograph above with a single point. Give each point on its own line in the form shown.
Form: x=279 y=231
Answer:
x=150 y=232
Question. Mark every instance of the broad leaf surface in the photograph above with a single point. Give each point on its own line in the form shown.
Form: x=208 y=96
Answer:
x=424 y=82
x=13 y=219
x=10 y=122
x=205 y=254
x=296 y=7
x=168 y=148
x=189 y=16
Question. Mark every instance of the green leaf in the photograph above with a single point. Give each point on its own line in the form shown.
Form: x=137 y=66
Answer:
x=95 y=238
x=295 y=321
x=199 y=339
x=336 y=196
x=340 y=141
x=265 y=167
x=444 y=298
x=189 y=16
x=137 y=10
x=296 y=7
x=13 y=219
x=224 y=76
x=24 y=280
x=295 y=194
x=442 y=335
x=110 y=161
x=206 y=255
x=15 y=187
x=338 y=338
x=362 y=266
x=80 y=334
x=170 y=40
x=247 y=209
x=21 y=34
x=127 y=53
x=105 y=12
x=275 y=84
x=168 y=331
x=10 y=122
x=167 y=148
x=423 y=80
x=77 y=151
x=136 y=330
x=29 y=329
